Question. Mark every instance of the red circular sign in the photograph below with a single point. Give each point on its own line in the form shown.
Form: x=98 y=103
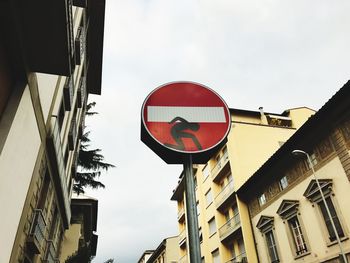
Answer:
x=186 y=117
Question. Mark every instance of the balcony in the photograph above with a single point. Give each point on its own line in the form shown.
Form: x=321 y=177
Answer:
x=225 y=196
x=230 y=227
x=51 y=254
x=58 y=170
x=221 y=168
x=68 y=93
x=72 y=135
x=242 y=258
x=181 y=215
x=183 y=259
x=37 y=232
x=182 y=238
x=81 y=97
x=80 y=45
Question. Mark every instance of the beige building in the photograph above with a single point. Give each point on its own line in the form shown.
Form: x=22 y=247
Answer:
x=83 y=225
x=145 y=256
x=50 y=60
x=288 y=215
x=224 y=223
x=166 y=252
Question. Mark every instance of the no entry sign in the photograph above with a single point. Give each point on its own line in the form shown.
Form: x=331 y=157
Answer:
x=182 y=118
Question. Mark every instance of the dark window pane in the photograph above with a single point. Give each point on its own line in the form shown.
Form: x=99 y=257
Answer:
x=327 y=220
x=271 y=244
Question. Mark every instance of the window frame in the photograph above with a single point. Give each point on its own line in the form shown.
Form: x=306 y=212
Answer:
x=300 y=248
x=336 y=219
x=212 y=222
x=215 y=254
x=262 y=201
x=266 y=226
x=283 y=183
x=288 y=211
x=205 y=172
x=270 y=233
x=313 y=194
x=209 y=193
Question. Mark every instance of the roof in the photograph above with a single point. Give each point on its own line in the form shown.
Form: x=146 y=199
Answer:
x=148 y=251
x=83 y=197
x=177 y=193
x=335 y=110
x=159 y=250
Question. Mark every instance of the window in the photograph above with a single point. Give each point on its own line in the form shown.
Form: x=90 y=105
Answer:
x=212 y=226
x=271 y=246
x=288 y=211
x=197 y=208
x=216 y=256
x=200 y=234
x=283 y=183
x=313 y=194
x=218 y=162
x=297 y=234
x=313 y=159
x=334 y=217
x=205 y=172
x=262 y=199
x=265 y=225
x=209 y=197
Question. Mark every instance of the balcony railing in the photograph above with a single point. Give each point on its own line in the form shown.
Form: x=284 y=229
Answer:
x=58 y=164
x=219 y=165
x=181 y=214
x=230 y=227
x=182 y=238
x=183 y=259
x=226 y=192
x=68 y=93
x=80 y=45
x=242 y=258
x=72 y=136
x=81 y=92
x=51 y=254
x=37 y=232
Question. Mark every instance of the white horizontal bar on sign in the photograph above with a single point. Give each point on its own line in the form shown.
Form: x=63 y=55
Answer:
x=190 y=114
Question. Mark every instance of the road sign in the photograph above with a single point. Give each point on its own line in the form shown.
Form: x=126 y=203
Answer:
x=182 y=118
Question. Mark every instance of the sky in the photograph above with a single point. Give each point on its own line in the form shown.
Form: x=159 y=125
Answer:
x=272 y=53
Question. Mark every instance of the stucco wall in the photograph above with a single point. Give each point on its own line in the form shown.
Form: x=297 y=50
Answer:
x=315 y=231
x=17 y=162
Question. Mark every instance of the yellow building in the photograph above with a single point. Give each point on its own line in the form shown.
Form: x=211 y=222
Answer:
x=145 y=256
x=288 y=215
x=50 y=60
x=166 y=252
x=83 y=225
x=224 y=226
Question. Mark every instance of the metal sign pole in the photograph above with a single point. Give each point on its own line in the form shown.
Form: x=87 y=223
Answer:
x=191 y=211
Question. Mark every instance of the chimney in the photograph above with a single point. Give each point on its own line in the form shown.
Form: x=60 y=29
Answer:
x=263 y=118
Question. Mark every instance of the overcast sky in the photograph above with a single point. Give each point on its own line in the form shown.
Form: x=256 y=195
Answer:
x=276 y=54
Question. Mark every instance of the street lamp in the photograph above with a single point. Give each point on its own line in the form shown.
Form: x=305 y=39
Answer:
x=300 y=152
